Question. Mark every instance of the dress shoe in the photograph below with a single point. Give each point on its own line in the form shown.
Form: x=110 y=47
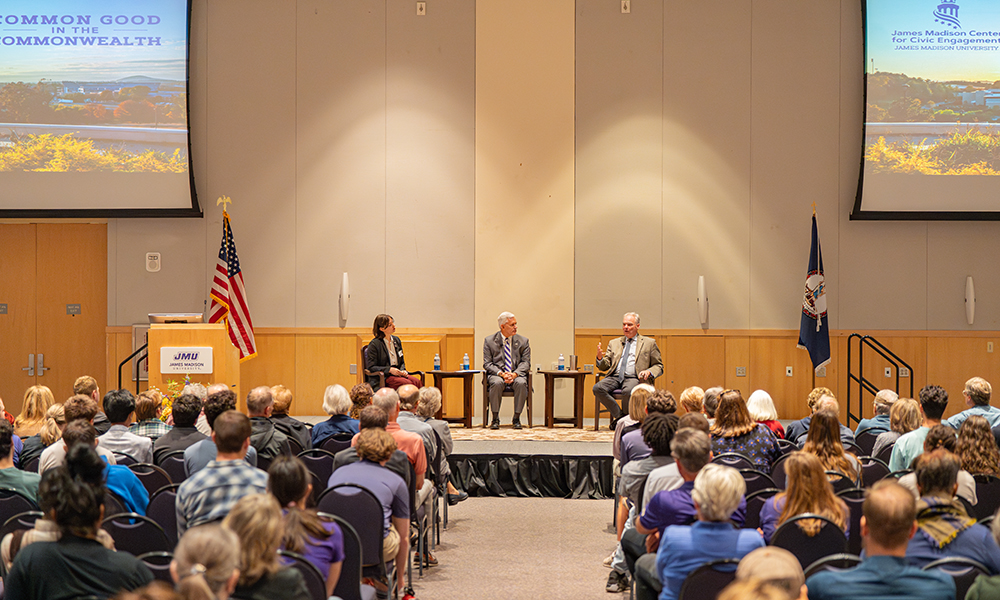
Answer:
x=516 y=422
x=617 y=582
x=454 y=499
x=496 y=422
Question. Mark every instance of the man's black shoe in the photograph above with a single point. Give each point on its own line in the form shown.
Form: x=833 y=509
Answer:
x=454 y=499
x=617 y=582
x=516 y=422
x=496 y=422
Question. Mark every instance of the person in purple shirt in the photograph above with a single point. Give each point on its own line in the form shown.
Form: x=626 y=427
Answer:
x=632 y=445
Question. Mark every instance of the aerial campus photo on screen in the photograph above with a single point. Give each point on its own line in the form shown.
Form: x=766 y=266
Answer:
x=933 y=87
x=93 y=86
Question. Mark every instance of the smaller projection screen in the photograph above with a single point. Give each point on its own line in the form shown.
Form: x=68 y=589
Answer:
x=94 y=109
x=932 y=110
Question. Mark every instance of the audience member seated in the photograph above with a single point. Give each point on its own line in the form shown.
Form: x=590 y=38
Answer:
x=185 y=411
x=200 y=392
x=904 y=417
x=987 y=587
x=750 y=589
x=976 y=448
x=942 y=436
x=710 y=402
x=388 y=400
x=691 y=399
x=668 y=477
x=630 y=421
x=256 y=521
x=882 y=405
x=287 y=425
x=777 y=567
x=118 y=478
x=33 y=446
x=119 y=405
x=944 y=527
x=427 y=409
x=148 y=408
x=409 y=400
x=933 y=402
x=385 y=355
x=761 y=409
x=977 y=394
x=336 y=403
x=11 y=477
x=206 y=563
x=77 y=407
x=77 y=565
x=37 y=400
x=887 y=525
x=735 y=431
x=717 y=492
x=807 y=491
x=632 y=446
x=322 y=543
x=398 y=463
x=818 y=399
x=361 y=396
x=374 y=447
x=209 y=494
x=85 y=385
x=199 y=454
x=266 y=439
x=823 y=442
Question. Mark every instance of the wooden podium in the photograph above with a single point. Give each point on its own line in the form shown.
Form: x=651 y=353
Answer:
x=225 y=356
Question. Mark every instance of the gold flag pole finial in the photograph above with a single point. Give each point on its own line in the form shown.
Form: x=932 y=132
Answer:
x=814 y=208
x=226 y=200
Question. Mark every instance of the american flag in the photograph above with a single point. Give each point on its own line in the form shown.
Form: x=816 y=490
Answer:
x=229 y=297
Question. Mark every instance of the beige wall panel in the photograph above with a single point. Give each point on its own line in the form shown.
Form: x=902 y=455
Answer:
x=17 y=328
x=953 y=361
x=737 y=355
x=525 y=171
x=341 y=170
x=769 y=356
x=275 y=364
x=706 y=163
x=691 y=360
x=619 y=71
x=251 y=133
x=796 y=77
x=454 y=347
x=586 y=349
x=956 y=251
x=913 y=350
x=431 y=163
x=420 y=353
x=322 y=360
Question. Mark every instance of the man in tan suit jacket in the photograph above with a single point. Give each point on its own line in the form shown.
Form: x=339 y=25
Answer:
x=641 y=365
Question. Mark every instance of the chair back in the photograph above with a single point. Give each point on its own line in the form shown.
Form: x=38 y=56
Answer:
x=778 y=472
x=834 y=562
x=25 y=520
x=885 y=453
x=873 y=470
x=709 y=579
x=756 y=480
x=113 y=504
x=734 y=460
x=363 y=511
x=853 y=448
x=866 y=438
x=367 y=373
x=151 y=476
x=320 y=462
x=337 y=442
x=755 y=502
x=32 y=464
x=787 y=446
x=963 y=570
x=294 y=445
x=13 y=502
x=173 y=464
x=988 y=492
x=315 y=582
x=136 y=534
x=830 y=539
x=855 y=499
x=349 y=585
x=124 y=459
x=159 y=564
x=162 y=509
x=839 y=481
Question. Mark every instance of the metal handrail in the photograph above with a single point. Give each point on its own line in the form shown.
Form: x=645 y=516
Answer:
x=863 y=383
x=130 y=357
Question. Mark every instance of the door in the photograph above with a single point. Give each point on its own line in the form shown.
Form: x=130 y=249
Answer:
x=54 y=281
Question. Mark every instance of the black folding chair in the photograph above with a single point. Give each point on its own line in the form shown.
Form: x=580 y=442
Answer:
x=294 y=445
x=315 y=581
x=755 y=502
x=885 y=453
x=32 y=464
x=159 y=564
x=778 y=471
x=866 y=439
x=787 y=446
x=873 y=470
x=25 y=520
x=320 y=462
x=337 y=442
x=830 y=539
x=124 y=459
x=756 y=480
x=839 y=481
x=349 y=586
x=362 y=509
x=855 y=499
x=173 y=464
x=709 y=579
x=151 y=476
x=834 y=562
x=988 y=493
x=162 y=509
x=734 y=460
x=113 y=505
x=13 y=502
x=136 y=534
x=963 y=570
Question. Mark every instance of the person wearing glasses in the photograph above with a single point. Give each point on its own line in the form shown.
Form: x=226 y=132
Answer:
x=629 y=360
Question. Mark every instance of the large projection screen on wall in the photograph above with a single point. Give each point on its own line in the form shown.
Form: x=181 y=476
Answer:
x=94 y=109
x=932 y=110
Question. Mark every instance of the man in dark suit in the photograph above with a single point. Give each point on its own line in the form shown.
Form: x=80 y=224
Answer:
x=629 y=360
x=507 y=362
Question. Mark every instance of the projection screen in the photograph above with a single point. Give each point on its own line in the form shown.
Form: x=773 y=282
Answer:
x=94 y=109
x=932 y=110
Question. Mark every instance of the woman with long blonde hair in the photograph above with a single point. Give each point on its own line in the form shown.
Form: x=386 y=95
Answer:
x=823 y=441
x=807 y=491
x=976 y=447
x=37 y=400
x=904 y=417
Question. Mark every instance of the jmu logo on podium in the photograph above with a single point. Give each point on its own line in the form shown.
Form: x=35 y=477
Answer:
x=947 y=14
x=186 y=356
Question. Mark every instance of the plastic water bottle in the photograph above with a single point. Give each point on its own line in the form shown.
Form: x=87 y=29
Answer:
x=437 y=362
x=562 y=363
x=465 y=362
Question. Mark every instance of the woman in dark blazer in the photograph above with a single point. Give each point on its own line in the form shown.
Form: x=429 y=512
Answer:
x=379 y=360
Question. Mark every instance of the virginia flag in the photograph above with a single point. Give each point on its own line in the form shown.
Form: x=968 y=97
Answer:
x=814 y=329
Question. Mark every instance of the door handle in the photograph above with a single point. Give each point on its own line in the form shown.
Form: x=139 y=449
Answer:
x=41 y=365
x=31 y=366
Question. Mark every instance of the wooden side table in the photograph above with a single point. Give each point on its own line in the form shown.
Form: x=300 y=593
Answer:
x=467 y=375
x=579 y=379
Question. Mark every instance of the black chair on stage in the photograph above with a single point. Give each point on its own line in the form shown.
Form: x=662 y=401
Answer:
x=830 y=539
x=508 y=392
x=381 y=376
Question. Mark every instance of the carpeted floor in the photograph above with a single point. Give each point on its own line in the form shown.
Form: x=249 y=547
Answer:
x=520 y=549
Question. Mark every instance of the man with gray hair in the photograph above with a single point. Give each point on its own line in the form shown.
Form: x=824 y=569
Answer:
x=426 y=409
x=884 y=400
x=266 y=439
x=507 y=362
x=629 y=360
x=411 y=443
x=819 y=399
x=977 y=394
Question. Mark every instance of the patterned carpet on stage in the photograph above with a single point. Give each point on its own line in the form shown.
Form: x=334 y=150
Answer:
x=535 y=434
